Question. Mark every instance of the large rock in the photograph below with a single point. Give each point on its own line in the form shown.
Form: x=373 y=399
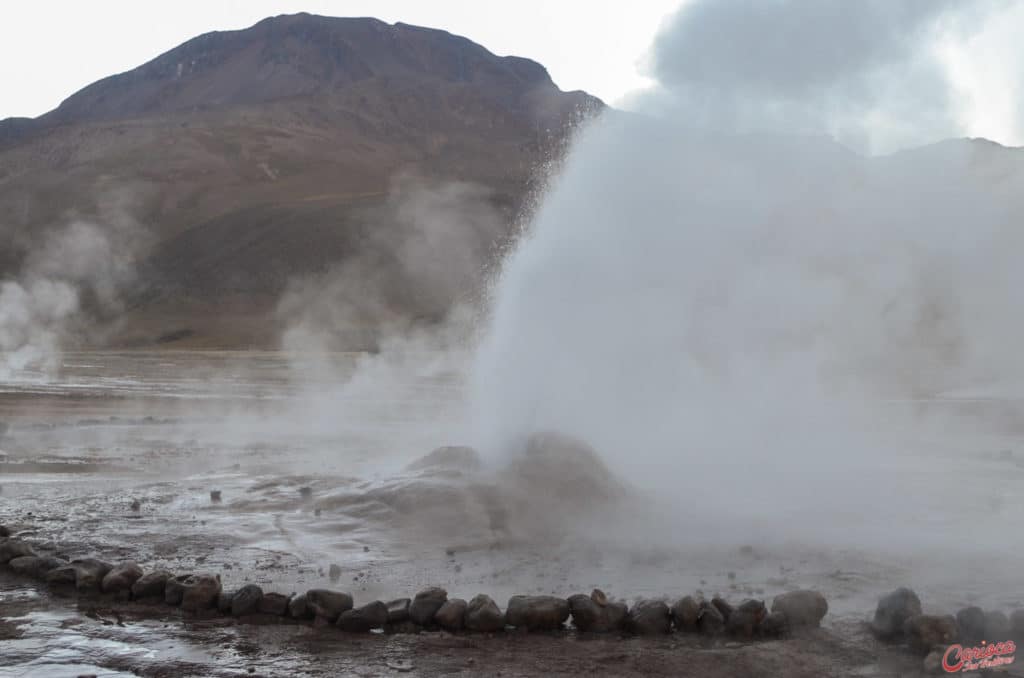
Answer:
x=685 y=613
x=246 y=600
x=174 y=589
x=89 y=573
x=537 y=613
x=710 y=621
x=200 y=592
x=590 y=615
x=723 y=606
x=370 y=616
x=14 y=548
x=121 y=578
x=923 y=632
x=35 y=566
x=224 y=601
x=746 y=619
x=649 y=617
x=274 y=604
x=398 y=611
x=893 y=611
x=151 y=585
x=483 y=615
x=802 y=608
x=425 y=605
x=971 y=624
x=328 y=605
x=452 y=615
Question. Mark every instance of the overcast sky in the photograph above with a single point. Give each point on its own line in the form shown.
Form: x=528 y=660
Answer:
x=50 y=50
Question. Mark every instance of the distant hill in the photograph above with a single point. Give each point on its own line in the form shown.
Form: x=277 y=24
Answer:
x=251 y=157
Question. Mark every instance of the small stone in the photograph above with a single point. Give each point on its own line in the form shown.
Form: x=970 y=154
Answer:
x=425 y=605
x=803 y=608
x=200 y=592
x=246 y=600
x=328 y=605
x=298 y=608
x=452 y=615
x=14 y=548
x=136 y=506
x=893 y=610
x=923 y=632
x=215 y=496
x=971 y=623
x=774 y=625
x=650 y=617
x=335 y=572
x=35 y=566
x=275 y=604
x=710 y=621
x=483 y=615
x=746 y=619
x=685 y=612
x=151 y=585
x=370 y=616
x=537 y=613
x=306 y=492
x=398 y=610
x=121 y=578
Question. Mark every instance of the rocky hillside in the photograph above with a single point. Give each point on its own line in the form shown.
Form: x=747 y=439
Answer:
x=243 y=160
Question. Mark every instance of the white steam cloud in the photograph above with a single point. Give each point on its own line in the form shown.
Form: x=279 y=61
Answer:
x=755 y=323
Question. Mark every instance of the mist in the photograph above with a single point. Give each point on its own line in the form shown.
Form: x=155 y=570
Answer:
x=757 y=324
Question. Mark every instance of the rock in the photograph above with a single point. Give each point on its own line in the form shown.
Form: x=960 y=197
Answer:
x=201 y=592
x=893 y=610
x=121 y=578
x=483 y=615
x=997 y=626
x=298 y=607
x=452 y=615
x=4 y=532
x=136 y=506
x=449 y=458
x=599 y=597
x=1017 y=624
x=923 y=632
x=370 y=616
x=334 y=572
x=426 y=604
x=774 y=625
x=649 y=617
x=328 y=605
x=685 y=613
x=802 y=608
x=151 y=585
x=537 y=613
x=589 y=616
x=722 y=606
x=215 y=496
x=746 y=619
x=90 y=573
x=246 y=600
x=398 y=611
x=224 y=601
x=971 y=623
x=64 y=575
x=35 y=566
x=174 y=589
x=710 y=621
x=14 y=548
x=275 y=604
x=306 y=492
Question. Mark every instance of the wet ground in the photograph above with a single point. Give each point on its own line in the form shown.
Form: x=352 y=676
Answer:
x=311 y=460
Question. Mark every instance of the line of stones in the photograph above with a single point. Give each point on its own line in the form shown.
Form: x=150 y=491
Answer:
x=430 y=608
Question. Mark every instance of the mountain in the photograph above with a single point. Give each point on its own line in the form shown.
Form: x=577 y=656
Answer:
x=244 y=160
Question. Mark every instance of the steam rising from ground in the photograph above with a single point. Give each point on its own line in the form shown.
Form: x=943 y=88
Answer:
x=745 y=321
x=82 y=267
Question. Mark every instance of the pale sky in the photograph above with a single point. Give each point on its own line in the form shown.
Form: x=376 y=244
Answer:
x=50 y=50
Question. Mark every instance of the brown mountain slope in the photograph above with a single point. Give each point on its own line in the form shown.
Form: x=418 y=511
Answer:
x=248 y=158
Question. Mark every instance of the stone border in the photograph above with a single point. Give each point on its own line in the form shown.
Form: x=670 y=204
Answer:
x=431 y=609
